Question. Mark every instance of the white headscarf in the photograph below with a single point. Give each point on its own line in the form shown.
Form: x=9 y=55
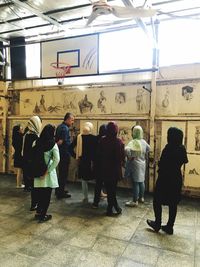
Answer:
x=87 y=129
x=35 y=125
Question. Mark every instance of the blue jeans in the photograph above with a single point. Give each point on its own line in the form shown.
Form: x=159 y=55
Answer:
x=138 y=190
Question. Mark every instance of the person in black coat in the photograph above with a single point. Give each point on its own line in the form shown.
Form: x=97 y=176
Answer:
x=169 y=182
x=85 y=153
x=17 y=141
x=110 y=153
x=98 y=192
x=34 y=128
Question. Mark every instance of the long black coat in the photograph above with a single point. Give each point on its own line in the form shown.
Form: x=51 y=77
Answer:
x=17 y=144
x=111 y=157
x=86 y=161
x=169 y=182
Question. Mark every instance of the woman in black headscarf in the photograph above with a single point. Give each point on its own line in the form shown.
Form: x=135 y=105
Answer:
x=111 y=157
x=46 y=183
x=169 y=182
x=98 y=179
x=17 y=141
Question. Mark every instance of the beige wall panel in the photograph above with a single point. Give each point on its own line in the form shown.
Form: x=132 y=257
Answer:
x=192 y=172
x=177 y=99
x=165 y=126
x=193 y=137
x=1 y=146
x=1 y=106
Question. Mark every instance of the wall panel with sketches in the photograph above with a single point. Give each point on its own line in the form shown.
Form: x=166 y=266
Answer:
x=177 y=104
x=96 y=101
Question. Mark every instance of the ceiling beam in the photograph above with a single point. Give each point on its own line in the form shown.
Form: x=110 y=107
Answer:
x=37 y=13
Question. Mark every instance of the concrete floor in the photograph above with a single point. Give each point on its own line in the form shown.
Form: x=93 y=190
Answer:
x=80 y=236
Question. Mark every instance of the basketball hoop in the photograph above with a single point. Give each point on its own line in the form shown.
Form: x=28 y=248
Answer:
x=61 y=70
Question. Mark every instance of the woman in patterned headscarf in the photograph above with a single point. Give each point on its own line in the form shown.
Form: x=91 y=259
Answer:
x=169 y=182
x=34 y=127
x=111 y=159
x=136 y=151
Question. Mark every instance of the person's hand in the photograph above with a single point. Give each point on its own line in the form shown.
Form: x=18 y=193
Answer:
x=60 y=142
x=43 y=176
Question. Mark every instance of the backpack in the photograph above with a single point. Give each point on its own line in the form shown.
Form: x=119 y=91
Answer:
x=37 y=166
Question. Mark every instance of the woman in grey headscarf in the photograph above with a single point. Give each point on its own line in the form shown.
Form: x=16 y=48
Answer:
x=34 y=127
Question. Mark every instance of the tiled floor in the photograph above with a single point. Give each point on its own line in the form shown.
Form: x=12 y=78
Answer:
x=80 y=236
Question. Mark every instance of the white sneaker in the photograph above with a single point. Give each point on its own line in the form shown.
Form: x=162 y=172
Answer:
x=131 y=204
x=20 y=186
x=141 y=200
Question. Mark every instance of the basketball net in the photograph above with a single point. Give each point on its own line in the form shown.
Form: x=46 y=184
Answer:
x=61 y=70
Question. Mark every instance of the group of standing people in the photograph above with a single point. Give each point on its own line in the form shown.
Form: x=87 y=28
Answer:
x=101 y=158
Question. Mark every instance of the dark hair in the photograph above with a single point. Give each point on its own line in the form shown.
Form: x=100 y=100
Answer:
x=68 y=115
x=174 y=136
x=102 y=130
x=15 y=134
x=15 y=130
x=112 y=129
x=47 y=132
x=46 y=139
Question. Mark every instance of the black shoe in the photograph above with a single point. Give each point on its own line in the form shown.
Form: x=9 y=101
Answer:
x=119 y=210
x=27 y=189
x=110 y=214
x=156 y=227
x=45 y=218
x=32 y=208
x=167 y=229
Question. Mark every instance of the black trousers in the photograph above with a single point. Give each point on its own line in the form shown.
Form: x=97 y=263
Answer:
x=44 y=197
x=158 y=213
x=28 y=183
x=63 y=168
x=111 y=187
x=34 y=196
x=97 y=190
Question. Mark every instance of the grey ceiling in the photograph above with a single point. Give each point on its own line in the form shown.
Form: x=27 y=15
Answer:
x=42 y=18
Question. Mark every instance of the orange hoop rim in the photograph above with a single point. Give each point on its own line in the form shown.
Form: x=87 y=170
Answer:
x=62 y=66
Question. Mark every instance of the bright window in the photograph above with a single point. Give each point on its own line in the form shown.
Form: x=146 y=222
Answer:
x=124 y=50
x=179 y=42
x=33 y=60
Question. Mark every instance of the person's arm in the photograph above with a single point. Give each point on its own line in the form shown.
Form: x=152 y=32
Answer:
x=55 y=159
x=72 y=147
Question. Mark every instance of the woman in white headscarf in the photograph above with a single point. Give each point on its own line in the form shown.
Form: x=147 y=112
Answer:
x=85 y=153
x=136 y=151
x=34 y=127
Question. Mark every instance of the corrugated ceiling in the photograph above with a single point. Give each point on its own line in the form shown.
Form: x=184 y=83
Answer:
x=43 y=19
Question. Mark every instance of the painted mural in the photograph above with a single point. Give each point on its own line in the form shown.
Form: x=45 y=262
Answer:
x=178 y=99
x=1 y=146
x=193 y=137
x=129 y=99
x=192 y=172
